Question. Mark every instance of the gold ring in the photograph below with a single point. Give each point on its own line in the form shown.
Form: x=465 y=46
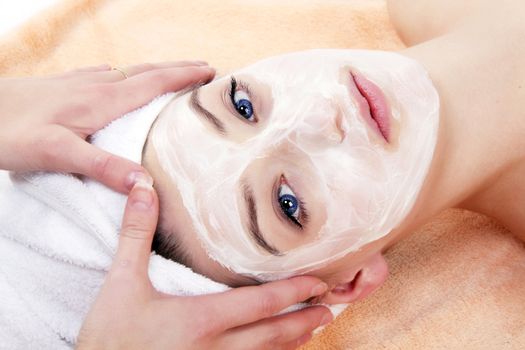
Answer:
x=121 y=71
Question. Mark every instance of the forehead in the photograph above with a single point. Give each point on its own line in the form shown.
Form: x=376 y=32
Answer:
x=321 y=60
x=316 y=72
x=295 y=67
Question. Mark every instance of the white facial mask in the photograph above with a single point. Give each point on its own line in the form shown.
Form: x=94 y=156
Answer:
x=367 y=186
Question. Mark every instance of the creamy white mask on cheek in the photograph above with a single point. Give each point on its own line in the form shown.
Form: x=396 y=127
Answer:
x=366 y=185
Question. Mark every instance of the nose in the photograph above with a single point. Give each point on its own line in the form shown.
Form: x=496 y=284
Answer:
x=339 y=127
x=322 y=127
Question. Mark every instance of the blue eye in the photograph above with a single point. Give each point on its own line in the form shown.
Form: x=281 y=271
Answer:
x=242 y=104
x=241 y=101
x=289 y=203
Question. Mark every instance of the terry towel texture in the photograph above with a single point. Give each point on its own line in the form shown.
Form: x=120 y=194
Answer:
x=57 y=239
x=457 y=284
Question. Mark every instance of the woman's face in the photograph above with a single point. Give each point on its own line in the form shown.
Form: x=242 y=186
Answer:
x=292 y=163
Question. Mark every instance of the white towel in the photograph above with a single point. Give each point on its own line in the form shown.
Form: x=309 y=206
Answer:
x=57 y=238
x=58 y=234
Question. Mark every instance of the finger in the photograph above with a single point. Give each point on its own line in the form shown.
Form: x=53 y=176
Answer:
x=127 y=95
x=99 y=68
x=138 y=228
x=278 y=332
x=77 y=71
x=260 y=302
x=59 y=149
x=145 y=67
x=305 y=338
x=116 y=75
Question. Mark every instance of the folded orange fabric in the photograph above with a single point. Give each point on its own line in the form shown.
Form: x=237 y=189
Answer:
x=457 y=284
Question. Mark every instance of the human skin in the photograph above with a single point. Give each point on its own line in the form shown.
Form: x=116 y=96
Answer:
x=46 y=120
x=479 y=73
x=477 y=165
x=140 y=317
x=309 y=143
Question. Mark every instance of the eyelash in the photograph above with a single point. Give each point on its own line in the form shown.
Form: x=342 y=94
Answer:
x=302 y=216
x=242 y=87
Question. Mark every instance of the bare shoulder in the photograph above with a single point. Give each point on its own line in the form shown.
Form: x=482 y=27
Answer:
x=418 y=21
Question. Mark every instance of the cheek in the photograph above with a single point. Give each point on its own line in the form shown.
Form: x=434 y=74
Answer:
x=346 y=268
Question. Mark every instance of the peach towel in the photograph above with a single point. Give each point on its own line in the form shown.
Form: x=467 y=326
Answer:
x=458 y=283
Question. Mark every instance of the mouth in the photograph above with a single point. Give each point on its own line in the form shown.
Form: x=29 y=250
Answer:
x=372 y=104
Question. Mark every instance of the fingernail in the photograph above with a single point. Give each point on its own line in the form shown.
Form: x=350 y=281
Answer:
x=208 y=68
x=304 y=339
x=142 y=197
x=212 y=72
x=327 y=318
x=138 y=176
x=319 y=289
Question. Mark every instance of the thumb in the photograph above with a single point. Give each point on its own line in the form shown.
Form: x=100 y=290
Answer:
x=138 y=228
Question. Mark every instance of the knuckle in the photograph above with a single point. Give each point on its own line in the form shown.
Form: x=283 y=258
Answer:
x=205 y=322
x=98 y=95
x=144 y=67
x=76 y=108
x=120 y=275
x=268 y=303
x=203 y=331
x=159 y=80
x=160 y=76
x=294 y=290
x=134 y=228
x=102 y=165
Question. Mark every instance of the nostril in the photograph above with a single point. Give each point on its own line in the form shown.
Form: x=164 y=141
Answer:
x=349 y=287
x=340 y=127
x=353 y=283
x=322 y=127
x=339 y=289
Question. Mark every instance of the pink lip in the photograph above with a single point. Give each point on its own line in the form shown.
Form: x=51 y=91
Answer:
x=372 y=104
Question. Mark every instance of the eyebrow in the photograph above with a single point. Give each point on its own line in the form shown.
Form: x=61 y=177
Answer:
x=195 y=104
x=254 y=224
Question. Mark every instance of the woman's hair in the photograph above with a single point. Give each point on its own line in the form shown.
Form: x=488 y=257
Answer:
x=169 y=247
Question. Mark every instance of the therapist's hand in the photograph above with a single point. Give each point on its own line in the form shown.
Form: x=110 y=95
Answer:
x=44 y=122
x=130 y=314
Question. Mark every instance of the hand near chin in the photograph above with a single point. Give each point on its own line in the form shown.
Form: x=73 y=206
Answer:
x=130 y=314
x=45 y=121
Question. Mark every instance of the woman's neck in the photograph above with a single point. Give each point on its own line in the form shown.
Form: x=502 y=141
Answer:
x=480 y=155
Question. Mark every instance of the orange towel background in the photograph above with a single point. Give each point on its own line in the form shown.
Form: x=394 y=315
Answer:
x=458 y=283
